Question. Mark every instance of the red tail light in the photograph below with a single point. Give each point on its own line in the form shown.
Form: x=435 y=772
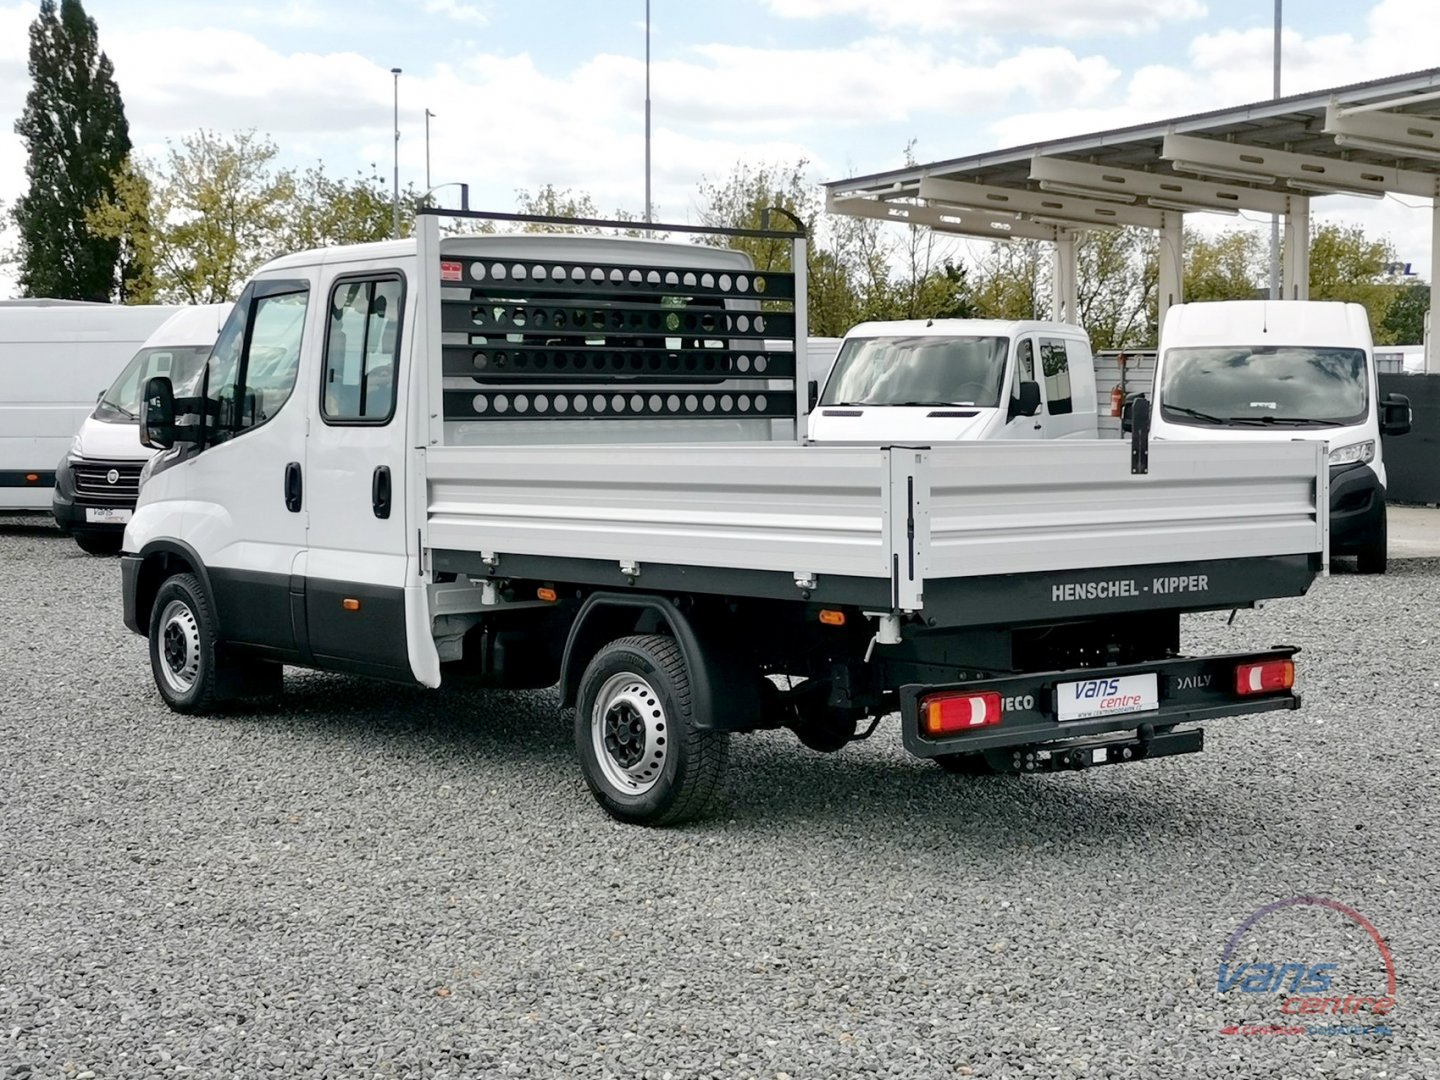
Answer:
x=945 y=714
x=1265 y=677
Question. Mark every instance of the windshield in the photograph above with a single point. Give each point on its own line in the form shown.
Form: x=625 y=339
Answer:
x=920 y=370
x=1265 y=384
x=182 y=363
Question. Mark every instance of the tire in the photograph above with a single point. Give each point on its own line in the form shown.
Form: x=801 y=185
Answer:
x=99 y=543
x=643 y=758
x=1371 y=558
x=192 y=671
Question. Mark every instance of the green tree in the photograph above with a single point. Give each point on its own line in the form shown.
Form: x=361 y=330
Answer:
x=1347 y=265
x=1012 y=281
x=76 y=137
x=208 y=215
x=1114 y=292
x=326 y=210
x=1404 y=322
x=1227 y=266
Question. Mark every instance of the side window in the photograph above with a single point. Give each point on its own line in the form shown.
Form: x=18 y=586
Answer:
x=1024 y=366
x=1056 y=365
x=253 y=367
x=362 y=351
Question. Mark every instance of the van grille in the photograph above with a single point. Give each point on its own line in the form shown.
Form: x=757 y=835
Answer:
x=93 y=486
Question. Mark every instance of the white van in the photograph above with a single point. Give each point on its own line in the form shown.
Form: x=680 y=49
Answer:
x=951 y=380
x=97 y=480
x=1283 y=370
x=55 y=357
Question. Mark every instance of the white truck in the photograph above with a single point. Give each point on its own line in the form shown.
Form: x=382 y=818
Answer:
x=954 y=380
x=98 y=479
x=519 y=460
x=1261 y=370
x=55 y=358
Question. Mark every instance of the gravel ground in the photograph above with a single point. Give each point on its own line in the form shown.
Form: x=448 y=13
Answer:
x=370 y=882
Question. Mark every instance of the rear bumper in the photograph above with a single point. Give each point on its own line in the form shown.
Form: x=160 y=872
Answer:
x=1190 y=689
x=1357 y=508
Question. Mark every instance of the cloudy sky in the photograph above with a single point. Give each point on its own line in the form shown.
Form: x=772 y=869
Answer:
x=551 y=91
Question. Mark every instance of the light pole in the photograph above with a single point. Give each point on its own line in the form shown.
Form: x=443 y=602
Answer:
x=428 y=115
x=395 y=198
x=1275 y=218
x=647 y=109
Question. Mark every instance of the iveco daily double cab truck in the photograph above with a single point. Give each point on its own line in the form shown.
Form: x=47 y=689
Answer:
x=952 y=380
x=98 y=479
x=519 y=460
x=1259 y=370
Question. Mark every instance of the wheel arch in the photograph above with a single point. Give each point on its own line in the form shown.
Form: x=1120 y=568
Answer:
x=713 y=668
x=162 y=559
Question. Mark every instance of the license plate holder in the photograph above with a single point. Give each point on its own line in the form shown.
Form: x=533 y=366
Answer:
x=105 y=515
x=1114 y=695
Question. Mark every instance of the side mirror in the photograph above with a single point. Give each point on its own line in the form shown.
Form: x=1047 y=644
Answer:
x=812 y=389
x=1395 y=415
x=1127 y=417
x=157 y=414
x=1028 y=403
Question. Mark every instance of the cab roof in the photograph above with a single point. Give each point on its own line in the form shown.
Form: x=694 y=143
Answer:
x=963 y=327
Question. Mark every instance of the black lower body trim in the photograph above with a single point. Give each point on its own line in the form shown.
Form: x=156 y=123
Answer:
x=22 y=478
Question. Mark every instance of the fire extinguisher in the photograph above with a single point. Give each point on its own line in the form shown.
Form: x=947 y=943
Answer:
x=1117 y=401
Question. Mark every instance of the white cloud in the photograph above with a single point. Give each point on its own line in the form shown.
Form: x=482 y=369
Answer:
x=1055 y=18
x=465 y=13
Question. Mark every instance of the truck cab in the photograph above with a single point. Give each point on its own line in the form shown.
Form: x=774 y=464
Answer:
x=1262 y=370
x=959 y=380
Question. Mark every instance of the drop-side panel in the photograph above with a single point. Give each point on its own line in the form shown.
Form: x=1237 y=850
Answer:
x=1025 y=507
x=798 y=510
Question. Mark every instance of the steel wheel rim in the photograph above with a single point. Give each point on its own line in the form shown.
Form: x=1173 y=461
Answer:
x=179 y=647
x=630 y=733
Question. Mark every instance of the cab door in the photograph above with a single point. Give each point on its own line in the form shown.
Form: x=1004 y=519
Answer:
x=356 y=563
x=1018 y=425
x=243 y=500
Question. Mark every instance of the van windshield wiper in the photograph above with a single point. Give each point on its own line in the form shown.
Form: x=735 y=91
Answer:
x=1298 y=421
x=1197 y=414
x=119 y=408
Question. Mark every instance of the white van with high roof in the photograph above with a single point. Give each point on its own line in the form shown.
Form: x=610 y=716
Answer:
x=1260 y=370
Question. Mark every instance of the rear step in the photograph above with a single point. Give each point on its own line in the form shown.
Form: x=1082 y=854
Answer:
x=1073 y=754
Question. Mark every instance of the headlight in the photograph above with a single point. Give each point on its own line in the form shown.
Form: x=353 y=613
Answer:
x=75 y=455
x=148 y=468
x=1361 y=452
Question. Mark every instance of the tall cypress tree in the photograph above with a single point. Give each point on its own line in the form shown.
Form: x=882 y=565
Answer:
x=75 y=130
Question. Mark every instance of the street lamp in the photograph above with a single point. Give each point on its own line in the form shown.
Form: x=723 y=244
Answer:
x=395 y=200
x=1275 y=218
x=647 y=110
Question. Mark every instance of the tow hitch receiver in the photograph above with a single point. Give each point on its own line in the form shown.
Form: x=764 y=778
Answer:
x=1100 y=750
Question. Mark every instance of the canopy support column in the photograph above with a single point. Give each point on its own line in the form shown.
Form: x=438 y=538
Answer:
x=1065 y=284
x=1172 y=264
x=1297 y=250
x=1432 y=345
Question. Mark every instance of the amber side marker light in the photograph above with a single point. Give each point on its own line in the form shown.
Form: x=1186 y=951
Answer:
x=1265 y=677
x=350 y=604
x=945 y=714
x=832 y=618
x=32 y=478
x=546 y=594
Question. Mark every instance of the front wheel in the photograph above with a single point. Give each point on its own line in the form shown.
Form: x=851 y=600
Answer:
x=640 y=752
x=192 y=671
x=1371 y=558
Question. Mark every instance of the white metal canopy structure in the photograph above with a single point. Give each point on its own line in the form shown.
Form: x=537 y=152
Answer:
x=1368 y=139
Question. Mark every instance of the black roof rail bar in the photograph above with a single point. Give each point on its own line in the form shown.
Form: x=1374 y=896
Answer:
x=799 y=232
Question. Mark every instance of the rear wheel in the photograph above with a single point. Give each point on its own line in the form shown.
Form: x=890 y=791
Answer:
x=99 y=543
x=641 y=754
x=1371 y=558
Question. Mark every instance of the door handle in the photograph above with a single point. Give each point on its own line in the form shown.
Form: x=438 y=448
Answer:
x=293 y=489
x=380 y=491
